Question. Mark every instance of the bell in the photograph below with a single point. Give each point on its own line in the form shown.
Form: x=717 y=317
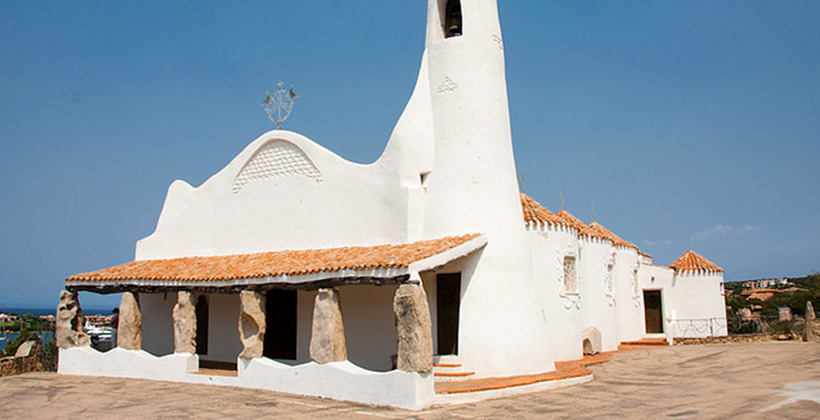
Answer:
x=455 y=29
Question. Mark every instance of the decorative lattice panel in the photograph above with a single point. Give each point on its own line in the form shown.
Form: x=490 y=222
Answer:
x=276 y=159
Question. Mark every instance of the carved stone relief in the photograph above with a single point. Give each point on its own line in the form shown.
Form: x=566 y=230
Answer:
x=447 y=86
x=609 y=281
x=276 y=159
x=570 y=296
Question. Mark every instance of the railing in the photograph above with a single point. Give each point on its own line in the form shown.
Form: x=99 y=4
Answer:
x=702 y=327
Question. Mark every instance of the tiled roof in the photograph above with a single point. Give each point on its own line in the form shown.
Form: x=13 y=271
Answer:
x=272 y=264
x=691 y=261
x=536 y=214
x=596 y=230
x=571 y=220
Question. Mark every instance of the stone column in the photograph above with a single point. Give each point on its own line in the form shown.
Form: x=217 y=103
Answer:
x=252 y=324
x=808 y=332
x=185 y=323
x=129 y=330
x=414 y=329
x=70 y=322
x=327 y=333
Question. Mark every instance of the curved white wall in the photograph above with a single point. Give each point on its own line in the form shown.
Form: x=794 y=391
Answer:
x=473 y=188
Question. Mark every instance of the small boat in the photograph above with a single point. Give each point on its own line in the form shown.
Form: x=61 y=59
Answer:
x=98 y=334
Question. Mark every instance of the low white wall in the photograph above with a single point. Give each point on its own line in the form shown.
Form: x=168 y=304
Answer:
x=342 y=380
x=158 y=322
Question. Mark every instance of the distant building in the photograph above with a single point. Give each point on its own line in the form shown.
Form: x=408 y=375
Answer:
x=765 y=283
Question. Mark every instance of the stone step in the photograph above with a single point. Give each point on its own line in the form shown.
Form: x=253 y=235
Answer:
x=647 y=342
x=452 y=376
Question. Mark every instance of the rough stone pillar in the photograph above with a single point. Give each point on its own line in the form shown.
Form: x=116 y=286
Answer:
x=252 y=324
x=808 y=332
x=70 y=322
x=129 y=330
x=327 y=334
x=185 y=323
x=414 y=329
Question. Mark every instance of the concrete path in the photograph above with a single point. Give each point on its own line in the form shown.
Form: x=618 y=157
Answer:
x=703 y=382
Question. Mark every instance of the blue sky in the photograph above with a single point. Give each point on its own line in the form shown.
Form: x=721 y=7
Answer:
x=673 y=118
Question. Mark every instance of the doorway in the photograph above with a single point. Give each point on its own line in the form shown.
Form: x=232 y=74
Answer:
x=653 y=311
x=448 y=300
x=281 y=319
x=201 y=325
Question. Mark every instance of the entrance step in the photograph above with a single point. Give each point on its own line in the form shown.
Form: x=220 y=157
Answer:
x=649 y=341
x=449 y=368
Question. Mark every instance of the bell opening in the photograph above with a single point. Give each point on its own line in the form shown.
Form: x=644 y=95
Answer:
x=452 y=19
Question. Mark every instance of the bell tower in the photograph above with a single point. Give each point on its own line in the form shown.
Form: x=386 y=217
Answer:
x=473 y=187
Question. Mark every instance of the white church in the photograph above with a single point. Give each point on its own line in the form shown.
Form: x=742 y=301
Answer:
x=294 y=270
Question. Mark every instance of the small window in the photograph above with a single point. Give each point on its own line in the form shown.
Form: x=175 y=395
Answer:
x=452 y=19
x=635 y=286
x=570 y=277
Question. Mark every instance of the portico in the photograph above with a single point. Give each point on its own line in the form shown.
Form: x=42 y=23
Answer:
x=160 y=312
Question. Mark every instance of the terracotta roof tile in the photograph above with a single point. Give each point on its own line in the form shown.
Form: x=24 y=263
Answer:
x=536 y=214
x=571 y=220
x=596 y=230
x=692 y=261
x=279 y=263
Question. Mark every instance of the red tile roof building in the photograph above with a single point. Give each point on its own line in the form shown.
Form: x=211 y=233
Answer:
x=692 y=261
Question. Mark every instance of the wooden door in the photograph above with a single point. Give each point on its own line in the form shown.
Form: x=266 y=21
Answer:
x=281 y=321
x=448 y=300
x=653 y=311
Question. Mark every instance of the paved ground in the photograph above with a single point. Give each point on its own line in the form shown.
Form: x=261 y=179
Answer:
x=708 y=381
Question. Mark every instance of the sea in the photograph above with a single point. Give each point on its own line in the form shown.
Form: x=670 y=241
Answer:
x=6 y=338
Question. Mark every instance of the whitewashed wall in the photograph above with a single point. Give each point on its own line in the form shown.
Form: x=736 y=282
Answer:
x=599 y=307
x=158 y=322
x=224 y=344
x=473 y=188
x=653 y=277
x=549 y=245
x=697 y=306
x=370 y=327
x=628 y=295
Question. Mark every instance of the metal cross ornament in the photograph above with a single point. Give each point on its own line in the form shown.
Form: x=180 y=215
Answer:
x=279 y=104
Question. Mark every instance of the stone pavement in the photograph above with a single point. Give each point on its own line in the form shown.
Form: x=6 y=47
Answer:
x=703 y=381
